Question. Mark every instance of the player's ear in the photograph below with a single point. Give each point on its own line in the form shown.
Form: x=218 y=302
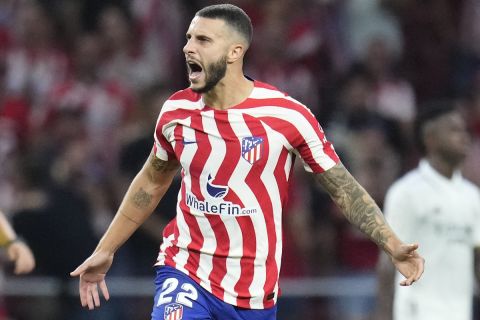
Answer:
x=235 y=52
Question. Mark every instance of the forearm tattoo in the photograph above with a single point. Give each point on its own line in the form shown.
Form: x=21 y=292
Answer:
x=358 y=207
x=156 y=170
x=141 y=199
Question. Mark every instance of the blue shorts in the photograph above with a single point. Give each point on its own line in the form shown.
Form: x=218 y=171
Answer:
x=178 y=297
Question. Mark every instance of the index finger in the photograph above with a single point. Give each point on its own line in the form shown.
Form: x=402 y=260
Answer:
x=80 y=269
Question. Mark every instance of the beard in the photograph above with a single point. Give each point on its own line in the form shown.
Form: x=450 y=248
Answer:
x=213 y=74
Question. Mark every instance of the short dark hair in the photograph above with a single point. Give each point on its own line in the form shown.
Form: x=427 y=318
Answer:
x=429 y=112
x=232 y=15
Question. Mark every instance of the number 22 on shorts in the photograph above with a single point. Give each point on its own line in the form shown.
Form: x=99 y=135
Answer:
x=184 y=297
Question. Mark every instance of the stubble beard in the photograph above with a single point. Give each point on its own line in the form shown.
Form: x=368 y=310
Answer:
x=213 y=74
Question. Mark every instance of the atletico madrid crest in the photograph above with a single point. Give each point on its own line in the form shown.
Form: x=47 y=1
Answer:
x=252 y=148
x=173 y=311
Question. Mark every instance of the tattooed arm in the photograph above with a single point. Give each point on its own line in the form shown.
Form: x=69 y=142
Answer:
x=143 y=195
x=362 y=211
x=141 y=198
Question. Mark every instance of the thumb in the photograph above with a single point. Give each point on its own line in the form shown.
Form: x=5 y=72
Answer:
x=80 y=269
x=411 y=247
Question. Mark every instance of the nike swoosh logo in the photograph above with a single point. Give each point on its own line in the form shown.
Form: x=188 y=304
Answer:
x=185 y=142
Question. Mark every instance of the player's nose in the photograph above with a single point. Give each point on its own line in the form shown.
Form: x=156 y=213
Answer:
x=188 y=47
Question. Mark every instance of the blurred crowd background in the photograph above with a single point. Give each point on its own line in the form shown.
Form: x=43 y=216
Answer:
x=82 y=82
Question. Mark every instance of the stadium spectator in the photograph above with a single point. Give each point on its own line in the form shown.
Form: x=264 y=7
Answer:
x=103 y=106
x=34 y=61
x=126 y=60
x=393 y=96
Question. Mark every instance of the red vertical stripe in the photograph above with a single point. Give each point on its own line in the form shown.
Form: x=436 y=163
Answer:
x=245 y=222
x=255 y=183
x=225 y=171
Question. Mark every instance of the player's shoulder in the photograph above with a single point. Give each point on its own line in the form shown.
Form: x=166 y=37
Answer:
x=185 y=94
x=470 y=188
x=277 y=97
x=182 y=99
x=263 y=90
x=268 y=88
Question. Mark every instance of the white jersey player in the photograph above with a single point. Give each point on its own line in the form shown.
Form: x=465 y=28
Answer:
x=435 y=205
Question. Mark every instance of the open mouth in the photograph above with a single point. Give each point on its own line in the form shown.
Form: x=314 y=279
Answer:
x=194 y=70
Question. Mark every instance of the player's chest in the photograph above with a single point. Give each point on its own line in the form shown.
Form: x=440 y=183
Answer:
x=215 y=138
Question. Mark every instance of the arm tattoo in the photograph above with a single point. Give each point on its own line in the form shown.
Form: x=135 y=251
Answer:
x=357 y=205
x=141 y=199
x=158 y=167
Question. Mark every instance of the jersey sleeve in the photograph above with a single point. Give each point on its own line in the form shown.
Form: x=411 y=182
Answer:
x=163 y=134
x=317 y=153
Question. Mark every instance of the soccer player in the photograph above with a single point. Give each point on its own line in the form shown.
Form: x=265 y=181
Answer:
x=435 y=205
x=18 y=252
x=235 y=140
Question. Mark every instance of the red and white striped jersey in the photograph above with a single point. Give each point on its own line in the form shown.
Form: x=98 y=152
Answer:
x=236 y=164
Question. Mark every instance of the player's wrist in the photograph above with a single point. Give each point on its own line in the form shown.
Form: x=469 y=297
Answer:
x=106 y=250
x=9 y=242
x=392 y=246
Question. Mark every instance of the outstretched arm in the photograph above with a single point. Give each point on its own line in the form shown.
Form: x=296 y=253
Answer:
x=362 y=211
x=141 y=198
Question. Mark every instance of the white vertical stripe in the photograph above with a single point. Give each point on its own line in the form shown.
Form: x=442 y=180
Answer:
x=233 y=262
x=268 y=179
x=205 y=264
x=184 y=237
x=249 y=200
x=258 y=152
x=235 y=236
x=167 y=242
x=215 y=157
